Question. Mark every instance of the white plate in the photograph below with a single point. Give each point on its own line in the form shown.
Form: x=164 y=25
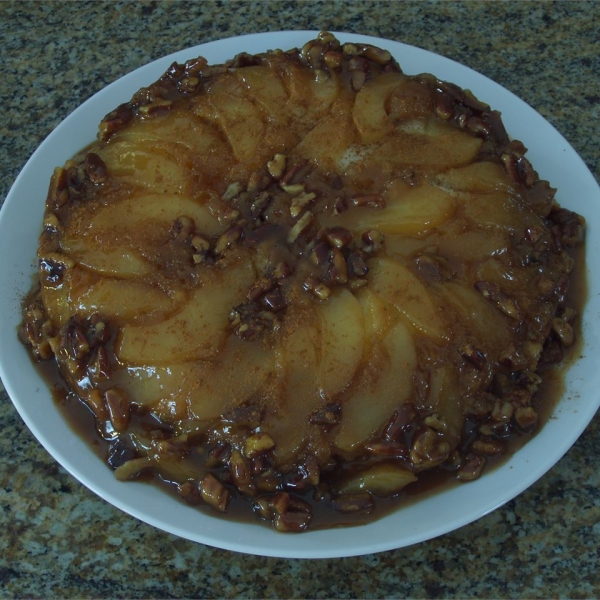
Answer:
x=20 y=225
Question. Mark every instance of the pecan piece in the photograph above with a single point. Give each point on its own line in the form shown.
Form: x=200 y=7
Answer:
x=229 y=238
x=289 y=513
x=504 y=303
x=357 y=265
x=95 y=168
x=120 y=451
x=276 y=166
x=338 y=237
x=214 y=493
x=75 y=342
x=115 y=120
x=474 y=356
x=372 y=240
x=429 y=450
x=301 y=225
x=258 y=444
x=472 y=469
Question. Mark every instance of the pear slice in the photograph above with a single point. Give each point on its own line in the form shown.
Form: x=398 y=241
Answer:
x=266 y=89
x=369 y=112
x=471 y=245
x=308 y=98
x=412 y=212
x=148 y=165
x=92 y=254
x=195 y=137
x=399 y=286
x=198 y=331
x=290 y=423
x=201 y=390
x=239 y=120
x=379 y=316
x=117 y=300
x=385 y=479
x=384 y=385
x=479 y=317
x=433 y=146
x=499 y=210
x=131 y=213
x=330 y=138
x=342 y=342
x=480 y=177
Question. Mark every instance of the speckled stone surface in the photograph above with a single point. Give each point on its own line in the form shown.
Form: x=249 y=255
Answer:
x=59 y=540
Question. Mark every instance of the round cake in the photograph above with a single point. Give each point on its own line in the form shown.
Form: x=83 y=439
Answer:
x=302 y=283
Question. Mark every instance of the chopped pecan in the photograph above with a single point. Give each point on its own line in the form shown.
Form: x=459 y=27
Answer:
x=214 y=493
x=119 y=452
x=428 y=450
x=474 y=356
x=115 y=120
x=472 y=468
x=75 y=341
x=95 y=168
x=229 y=238
x=240 y=472
x=373 y=241
x=276 y=166
x=301 y=225
x=506 y=304
x=356 y=264
x=257 y=444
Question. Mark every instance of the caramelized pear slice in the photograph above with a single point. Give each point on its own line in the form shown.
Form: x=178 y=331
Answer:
x=198 y=331
x=478 y=317
x=148 y=165
x=499 y=210
x=329 y=139
x=369 y=113
x=266 y=89
x=480 y=177
x=430 y=145
x=131 y=213
x=300 y=363
x=197 y=138
x=383 y=385
x=412 y=212
x=398 y=285
x=117 y=299
x=309 y=98
x=201 y=390
x=342 y=342
x=385 y=479
x=92 y=254
x=239 y=120
x=471 y=245
x=378 y=316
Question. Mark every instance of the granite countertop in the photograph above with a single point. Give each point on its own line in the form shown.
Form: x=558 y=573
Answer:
x=60 y=540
